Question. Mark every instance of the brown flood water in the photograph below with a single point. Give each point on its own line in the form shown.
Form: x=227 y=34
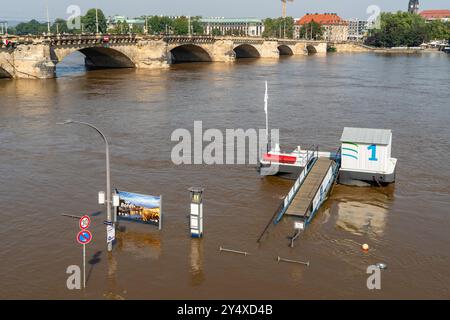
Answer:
x=47 y=170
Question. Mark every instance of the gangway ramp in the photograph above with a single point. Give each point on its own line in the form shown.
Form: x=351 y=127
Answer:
x=303 y=200
x=309 y=191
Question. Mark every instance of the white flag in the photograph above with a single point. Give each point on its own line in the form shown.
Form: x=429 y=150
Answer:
x=266 y=100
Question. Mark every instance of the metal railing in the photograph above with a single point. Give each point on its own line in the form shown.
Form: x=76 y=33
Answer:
x=311 y=157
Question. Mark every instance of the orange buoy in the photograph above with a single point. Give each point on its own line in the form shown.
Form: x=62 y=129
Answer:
x=365 y=247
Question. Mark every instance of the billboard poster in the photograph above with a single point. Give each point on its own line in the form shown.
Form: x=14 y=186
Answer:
x=139 y=207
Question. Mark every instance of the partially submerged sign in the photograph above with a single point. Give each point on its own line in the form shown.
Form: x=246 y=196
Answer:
x=84 y=237
x=299 y=225
x=110 y=233
x=85 y=221
x=140 y=207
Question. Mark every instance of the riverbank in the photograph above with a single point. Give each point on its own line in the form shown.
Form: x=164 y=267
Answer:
x=358 y=47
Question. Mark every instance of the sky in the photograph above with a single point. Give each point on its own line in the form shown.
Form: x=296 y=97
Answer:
x=24 y=10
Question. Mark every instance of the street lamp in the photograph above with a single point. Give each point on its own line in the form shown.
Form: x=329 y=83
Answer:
x=108 y=173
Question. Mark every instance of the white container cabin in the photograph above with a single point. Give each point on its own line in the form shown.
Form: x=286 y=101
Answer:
x=366 y=157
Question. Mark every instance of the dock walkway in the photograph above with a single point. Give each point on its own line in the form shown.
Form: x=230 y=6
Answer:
x=301 y=203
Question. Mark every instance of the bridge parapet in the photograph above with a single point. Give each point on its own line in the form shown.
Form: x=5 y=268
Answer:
x=83 y=40
x=189 y=39
x=247 y=41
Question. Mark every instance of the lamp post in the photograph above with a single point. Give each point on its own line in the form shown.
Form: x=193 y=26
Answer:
x=108 y=173
x=96 y=26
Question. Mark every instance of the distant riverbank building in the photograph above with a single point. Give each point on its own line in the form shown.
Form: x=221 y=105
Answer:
x=112 y=22
x=357 y=29
x=250 y=27
x=431 y=15
x=335 y=28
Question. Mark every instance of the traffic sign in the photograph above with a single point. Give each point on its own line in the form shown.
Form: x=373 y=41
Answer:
x=85 y=221
x=84 y=237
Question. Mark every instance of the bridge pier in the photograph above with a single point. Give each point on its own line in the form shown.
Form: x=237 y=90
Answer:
x=29 y=62
x=222 y=51
x=269 y=49
x=6 y=64
x=151 y=55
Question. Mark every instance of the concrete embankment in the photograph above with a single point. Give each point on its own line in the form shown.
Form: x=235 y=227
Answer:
x=359 y=47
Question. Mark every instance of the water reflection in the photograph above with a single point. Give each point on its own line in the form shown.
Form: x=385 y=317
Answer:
x=112 y=287
x=363 y=211
x=32 y=91
x=297 y=272
x=196 y=256
x=140 y=244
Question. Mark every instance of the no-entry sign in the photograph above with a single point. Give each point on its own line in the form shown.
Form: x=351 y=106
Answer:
x=85 y=221
x=84 y=237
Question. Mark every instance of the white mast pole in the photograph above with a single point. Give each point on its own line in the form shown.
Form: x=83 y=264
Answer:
x=48 y=19
x=96 y=19
x=266 y=102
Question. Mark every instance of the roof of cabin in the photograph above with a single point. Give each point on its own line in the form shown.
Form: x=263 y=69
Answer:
x=365 y=135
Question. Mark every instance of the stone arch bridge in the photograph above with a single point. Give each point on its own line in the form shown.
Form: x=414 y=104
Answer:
x=37 y=57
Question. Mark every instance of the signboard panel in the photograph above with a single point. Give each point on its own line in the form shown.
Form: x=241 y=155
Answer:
x=299 y=225
x=110 y=234
x=139 y=207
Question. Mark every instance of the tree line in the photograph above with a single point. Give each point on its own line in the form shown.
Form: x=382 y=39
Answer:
x=406 y=29
x=88 y=24
x=396 y=29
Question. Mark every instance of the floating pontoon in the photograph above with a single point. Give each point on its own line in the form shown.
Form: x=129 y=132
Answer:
x=366 y=157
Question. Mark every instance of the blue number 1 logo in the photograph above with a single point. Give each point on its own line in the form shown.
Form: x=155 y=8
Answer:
x=373 y=148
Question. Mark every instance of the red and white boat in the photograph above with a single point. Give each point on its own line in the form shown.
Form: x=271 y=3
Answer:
x=286 y=164
x=289 y=164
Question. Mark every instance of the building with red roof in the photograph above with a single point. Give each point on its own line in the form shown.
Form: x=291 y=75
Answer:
x=430 y=15
x=335 y=28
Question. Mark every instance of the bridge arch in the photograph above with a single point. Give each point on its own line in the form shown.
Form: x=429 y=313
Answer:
x=189 y=53
x=4 y=73
x=311 y=49
x=97 y=57
x=285 y=50
x=246 y=51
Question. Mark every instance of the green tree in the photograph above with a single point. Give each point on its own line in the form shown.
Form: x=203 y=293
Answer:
x=197 y=26
x=312 y=30
x=279 y=28
x=121 y=27
x=60 y=25
x=400 y=29
x=159 y=24
x=90 y=21
x=32 y=27
x=216 y=32
x=438 y=30
x=180 y=26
